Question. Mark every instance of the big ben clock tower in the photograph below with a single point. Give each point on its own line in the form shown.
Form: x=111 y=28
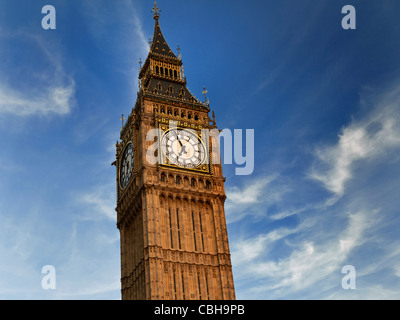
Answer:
x=170 y=212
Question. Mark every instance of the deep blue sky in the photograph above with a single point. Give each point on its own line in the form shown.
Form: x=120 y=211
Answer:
x=323 y=101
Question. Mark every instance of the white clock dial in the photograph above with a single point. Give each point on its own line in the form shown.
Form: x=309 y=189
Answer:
x=126 y=165
x=183 y=148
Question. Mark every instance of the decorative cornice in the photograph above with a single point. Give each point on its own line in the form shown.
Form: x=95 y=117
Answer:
x=178 y=102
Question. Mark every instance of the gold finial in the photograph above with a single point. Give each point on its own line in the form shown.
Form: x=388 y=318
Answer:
x=122 y=120
x=156 y=10
x=179 y=52
x=140 y=64
x=205 y=93
x=205 y=96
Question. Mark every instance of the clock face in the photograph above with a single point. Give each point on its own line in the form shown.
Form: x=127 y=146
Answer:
x=183 y=148
x=126 y=165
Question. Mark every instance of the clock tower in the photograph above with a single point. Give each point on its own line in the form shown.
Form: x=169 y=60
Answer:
x=170 y=190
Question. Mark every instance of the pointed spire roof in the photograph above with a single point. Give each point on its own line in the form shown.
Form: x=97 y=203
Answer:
x=158 y=44
x=165 y=82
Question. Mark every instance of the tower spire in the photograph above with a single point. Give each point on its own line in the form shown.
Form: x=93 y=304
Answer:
x=158 y=43
x=162 y=73
x=168 y=258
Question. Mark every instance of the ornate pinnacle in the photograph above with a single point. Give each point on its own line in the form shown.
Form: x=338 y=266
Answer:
x=205 y=94
x=156 y=11
x=179 y=52
x=122 y=120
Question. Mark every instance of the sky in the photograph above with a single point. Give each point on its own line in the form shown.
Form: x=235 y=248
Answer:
x=324 y=104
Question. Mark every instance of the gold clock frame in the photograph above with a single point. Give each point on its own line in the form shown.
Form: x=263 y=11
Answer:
x=134 y=171
x=204 y=167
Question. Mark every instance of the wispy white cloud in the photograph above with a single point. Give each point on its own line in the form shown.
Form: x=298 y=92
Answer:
x=250 y=249
x=254 y=197
x=288 y=212
x=143 y=43
x=329 y=231
x=251 y=193
x=99 y=203
x=91 y=289
x=131 y=41
x=376 y=292
x=45 y=92
x=54 y=100
x=309 y=262
x=80 y=241
x=362 y=140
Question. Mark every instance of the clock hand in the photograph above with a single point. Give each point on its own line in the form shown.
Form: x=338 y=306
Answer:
x=177 y=138
x=182 y=149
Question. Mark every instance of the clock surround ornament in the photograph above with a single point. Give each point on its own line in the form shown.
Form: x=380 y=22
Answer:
x=127 y=164
x=183 y=148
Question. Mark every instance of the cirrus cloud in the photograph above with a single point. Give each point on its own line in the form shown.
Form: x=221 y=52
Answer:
x=43 y=87
x=56 y=100
x=362 y=140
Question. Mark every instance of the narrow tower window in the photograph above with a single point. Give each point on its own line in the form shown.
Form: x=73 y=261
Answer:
x=201 y=233
x=175 y=284
x=194 y=232
x=198 y=283
x=183 y=286
x=208 y=293
x=179 y=230
x=170 y=228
